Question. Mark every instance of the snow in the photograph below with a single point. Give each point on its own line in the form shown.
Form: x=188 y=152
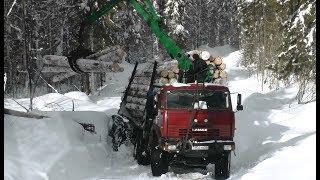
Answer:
x=177 y=84
x=77 y=95
x=275 y=136
x=295 y=169
x=309 y=39
x=291 y=47
x=180 y=29
x=301 y=14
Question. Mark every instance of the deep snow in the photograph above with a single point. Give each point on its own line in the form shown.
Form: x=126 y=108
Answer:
x=275 y=137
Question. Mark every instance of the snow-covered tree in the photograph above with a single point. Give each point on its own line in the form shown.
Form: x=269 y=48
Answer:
x=297 y=55
x=278 y=40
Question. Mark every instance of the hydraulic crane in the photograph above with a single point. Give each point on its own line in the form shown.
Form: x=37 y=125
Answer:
x=149 y=14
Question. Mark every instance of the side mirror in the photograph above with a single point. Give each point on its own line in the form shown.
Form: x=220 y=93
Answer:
x=239 y=106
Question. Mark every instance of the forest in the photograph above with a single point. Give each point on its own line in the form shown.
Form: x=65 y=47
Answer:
x=277 y=39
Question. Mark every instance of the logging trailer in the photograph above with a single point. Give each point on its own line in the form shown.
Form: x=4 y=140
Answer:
x=191 y=122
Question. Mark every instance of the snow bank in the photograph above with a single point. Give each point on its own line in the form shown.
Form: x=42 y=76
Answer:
x=77 y=95
x=291 y=162
x=77 y=101
x=54 y=148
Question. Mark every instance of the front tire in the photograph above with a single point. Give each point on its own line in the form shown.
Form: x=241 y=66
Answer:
x=159 y=161
x=222 y=166
x=141 y=153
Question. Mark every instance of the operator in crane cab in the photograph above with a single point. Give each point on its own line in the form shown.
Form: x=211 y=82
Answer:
x=199 y=65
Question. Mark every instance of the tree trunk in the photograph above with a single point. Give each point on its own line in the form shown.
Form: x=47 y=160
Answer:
x=22 y=114
x=85 y=84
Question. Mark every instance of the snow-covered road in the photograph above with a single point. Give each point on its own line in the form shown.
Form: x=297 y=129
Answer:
x=275 y=136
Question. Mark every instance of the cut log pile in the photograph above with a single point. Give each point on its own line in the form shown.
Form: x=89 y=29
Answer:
x=104 y=61
x=137 y=94
x=219 y=67
x=168 y=73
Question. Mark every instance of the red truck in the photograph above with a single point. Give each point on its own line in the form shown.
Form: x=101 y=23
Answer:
x=191 y=124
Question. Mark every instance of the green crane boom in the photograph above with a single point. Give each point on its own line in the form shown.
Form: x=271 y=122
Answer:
x=149 y=14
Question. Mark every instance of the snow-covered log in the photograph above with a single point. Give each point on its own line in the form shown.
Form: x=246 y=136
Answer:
x=140 y=87
x=86 y=65
x=164 y=80
x=135 y=106
x=89 y=65
x=223 y=74
x=217 y=61
x=112 y=53
x=23 y=114
x=173 y=80
x=136 y=100
x=55 y=69
x=164 y=73
x=222 y=66
x=175 y=69
x=54 y=60
x=216 y=73
x=171 y=74
x=141 y=94
x=141 y=80
x=62 y=76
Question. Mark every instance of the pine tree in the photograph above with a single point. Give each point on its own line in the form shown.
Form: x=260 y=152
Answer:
x=297 y=58
x=278 y=40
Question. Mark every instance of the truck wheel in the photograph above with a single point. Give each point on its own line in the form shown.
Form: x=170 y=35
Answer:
x=222 y=166
x=159 y=161
x=141 y=153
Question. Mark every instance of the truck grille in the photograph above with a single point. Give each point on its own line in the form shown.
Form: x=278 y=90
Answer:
x=200 y=134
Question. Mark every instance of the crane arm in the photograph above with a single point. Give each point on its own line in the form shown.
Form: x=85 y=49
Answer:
x=145 y=9
x=149 y=15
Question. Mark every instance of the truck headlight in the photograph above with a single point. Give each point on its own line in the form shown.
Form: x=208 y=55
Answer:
x=172 y=147
x=227 y=147
x=169 y=147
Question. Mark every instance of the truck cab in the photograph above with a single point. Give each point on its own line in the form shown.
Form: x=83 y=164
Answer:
x=194 y=125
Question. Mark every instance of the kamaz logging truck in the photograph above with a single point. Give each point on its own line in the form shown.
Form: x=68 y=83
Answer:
x=191 y=122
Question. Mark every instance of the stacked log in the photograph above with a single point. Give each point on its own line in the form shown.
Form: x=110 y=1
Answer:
x=136 y=100
x=135 y=104
x=219 y=68
x=168 y=73
x=104 y=61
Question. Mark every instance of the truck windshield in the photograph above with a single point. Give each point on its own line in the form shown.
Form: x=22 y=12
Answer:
x=187 y=99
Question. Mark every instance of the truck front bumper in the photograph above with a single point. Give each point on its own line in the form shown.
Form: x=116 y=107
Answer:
x=199 y=148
